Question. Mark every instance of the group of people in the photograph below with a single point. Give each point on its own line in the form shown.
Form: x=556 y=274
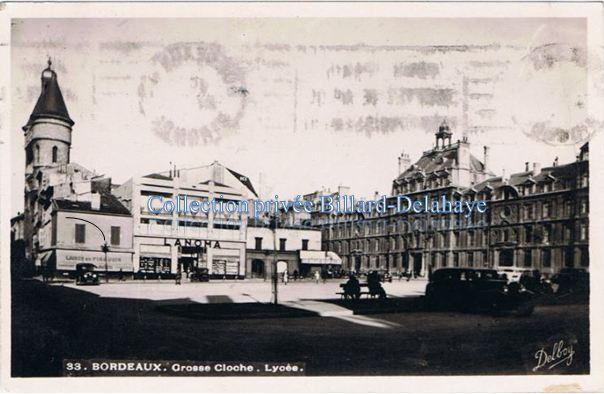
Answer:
x=352 y=287
x=318 y=276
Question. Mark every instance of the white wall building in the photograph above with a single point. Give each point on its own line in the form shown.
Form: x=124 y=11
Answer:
x=168 y=242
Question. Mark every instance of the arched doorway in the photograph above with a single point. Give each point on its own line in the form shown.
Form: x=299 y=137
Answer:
x=417 y=264
x=506 y=258
x=258 y=269
x=281 y=267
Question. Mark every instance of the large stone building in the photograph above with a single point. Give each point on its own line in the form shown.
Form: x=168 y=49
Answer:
x=537 y=219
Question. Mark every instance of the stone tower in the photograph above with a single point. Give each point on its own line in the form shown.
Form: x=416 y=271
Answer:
x=47 y=145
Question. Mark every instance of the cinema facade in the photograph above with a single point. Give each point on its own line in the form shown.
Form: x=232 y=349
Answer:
x=169 y=242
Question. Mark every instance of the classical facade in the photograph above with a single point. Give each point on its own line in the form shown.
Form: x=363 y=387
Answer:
x=537 y=219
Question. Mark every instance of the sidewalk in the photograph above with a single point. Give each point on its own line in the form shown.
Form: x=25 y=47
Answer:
x=246 y=291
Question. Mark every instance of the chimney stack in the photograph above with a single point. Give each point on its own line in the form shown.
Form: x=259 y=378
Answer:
x=403 y=162
x=526 y=166
x=343 y=190
x=95 y=201
x=485 y=159
x=536 y=168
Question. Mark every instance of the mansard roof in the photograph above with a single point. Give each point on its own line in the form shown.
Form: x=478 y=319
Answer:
x=521 y=178
x=438 y=161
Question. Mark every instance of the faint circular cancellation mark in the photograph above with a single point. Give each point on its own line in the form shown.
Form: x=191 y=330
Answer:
x=194 y=94
x=558 y=68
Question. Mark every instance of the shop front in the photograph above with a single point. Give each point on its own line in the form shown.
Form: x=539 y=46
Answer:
x=168 y=256
x=65 y=261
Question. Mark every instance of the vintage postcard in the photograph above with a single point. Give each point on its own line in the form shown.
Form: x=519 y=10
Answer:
x=301 y=196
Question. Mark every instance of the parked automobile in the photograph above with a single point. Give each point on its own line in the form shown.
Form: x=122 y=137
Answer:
x=572 y=280
x=471 y=289
x=85 y=274
x=535 y=282
x=199 y=275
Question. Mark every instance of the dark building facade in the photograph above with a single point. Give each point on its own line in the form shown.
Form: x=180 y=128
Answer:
x=536 y=219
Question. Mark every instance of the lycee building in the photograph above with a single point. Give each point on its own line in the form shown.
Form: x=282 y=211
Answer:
x=537 y=219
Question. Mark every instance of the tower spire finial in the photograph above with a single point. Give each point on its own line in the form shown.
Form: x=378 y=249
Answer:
x=49 y=62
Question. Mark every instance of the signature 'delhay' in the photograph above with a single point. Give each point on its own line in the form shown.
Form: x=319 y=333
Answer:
x=550 y=357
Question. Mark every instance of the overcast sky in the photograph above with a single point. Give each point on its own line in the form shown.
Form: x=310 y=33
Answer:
x=264 y=96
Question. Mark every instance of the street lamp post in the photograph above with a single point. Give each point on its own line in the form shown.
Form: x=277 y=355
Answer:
x=275 y=276
x=429 y=238
x=104 y=247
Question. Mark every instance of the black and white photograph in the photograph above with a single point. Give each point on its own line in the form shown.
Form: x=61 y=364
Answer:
x=262 y=191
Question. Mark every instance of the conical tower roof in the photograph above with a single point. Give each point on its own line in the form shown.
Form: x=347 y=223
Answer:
x=50 y=103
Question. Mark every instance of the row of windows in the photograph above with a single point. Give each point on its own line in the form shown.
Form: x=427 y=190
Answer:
x=195 y=224
x=30 y=154
x=80 y=234
x=282 y=243
x=549 y=208
x=530 y=234
x=528 y=259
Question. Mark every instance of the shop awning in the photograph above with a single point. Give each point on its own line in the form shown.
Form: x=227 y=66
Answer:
x=319 y=257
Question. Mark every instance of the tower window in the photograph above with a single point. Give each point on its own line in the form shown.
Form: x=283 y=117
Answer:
x=55 y=153
x=29 y=155
x=37 y=158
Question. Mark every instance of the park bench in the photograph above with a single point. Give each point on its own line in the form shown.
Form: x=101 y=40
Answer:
x=345 y=294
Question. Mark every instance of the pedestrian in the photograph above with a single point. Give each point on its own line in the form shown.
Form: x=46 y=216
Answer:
x=178 y=277
x=324 y=276
x=121 y=276
x=285 y=278
x=296 y=275
x=317 y=276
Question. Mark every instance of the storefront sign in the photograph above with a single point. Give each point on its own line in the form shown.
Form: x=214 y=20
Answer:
x=198 y=243
x=68 y=259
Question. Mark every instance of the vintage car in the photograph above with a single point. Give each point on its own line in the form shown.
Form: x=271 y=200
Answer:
x=469 y=289
x=85 y=274
x=199 y=275
x=572 y=280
